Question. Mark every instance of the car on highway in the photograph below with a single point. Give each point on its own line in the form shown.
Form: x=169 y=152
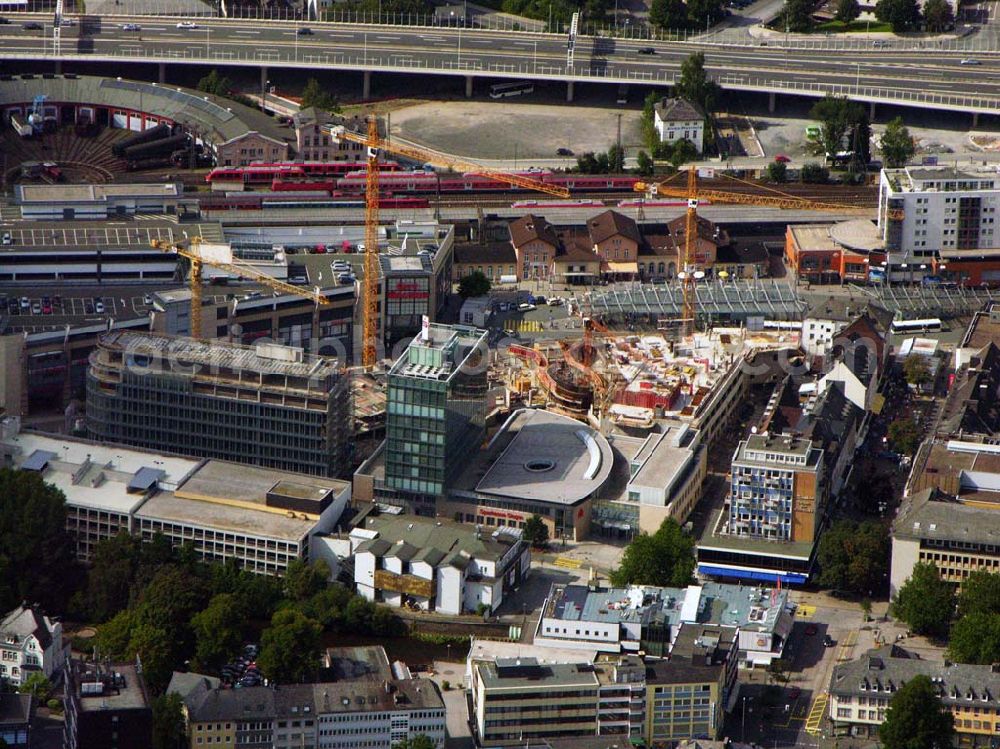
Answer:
x=131 y=27
x=646 y=51
x=187 y=25
x=4 y=21
x=304 y=31
x=880 y=43
x=67 y=22
x=563 y=152
x=969 y=61
x=32 y=26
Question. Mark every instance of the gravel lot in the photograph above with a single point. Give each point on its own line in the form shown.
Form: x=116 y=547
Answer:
x=508 y=130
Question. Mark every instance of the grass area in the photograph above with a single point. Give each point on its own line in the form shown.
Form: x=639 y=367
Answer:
x=854 y=27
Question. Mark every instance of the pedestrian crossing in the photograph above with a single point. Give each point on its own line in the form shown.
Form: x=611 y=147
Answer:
x=814 y=720
x=568 y=563
x=526 y=326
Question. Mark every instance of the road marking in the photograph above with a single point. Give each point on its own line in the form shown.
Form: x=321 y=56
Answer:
x=805 y=610
x=847 y=646
x=388 y=38
x=816 y=714
x=246 y=32
x=572 y=564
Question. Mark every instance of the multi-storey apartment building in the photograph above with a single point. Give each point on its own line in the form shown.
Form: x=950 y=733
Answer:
x=267 y=405
x=949 y=222
x=861 y=691
x=30 y=642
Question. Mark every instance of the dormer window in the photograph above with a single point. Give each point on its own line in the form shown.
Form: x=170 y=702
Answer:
x=863 y=686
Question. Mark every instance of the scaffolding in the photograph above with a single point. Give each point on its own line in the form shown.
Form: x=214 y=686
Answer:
x=769 y=298
x=929 y=301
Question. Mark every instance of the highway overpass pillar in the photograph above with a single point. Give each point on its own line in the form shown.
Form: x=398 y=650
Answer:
x=58 y=67
x=569 y=91
x=468 y=87
x=771 y=101
x=366 y=85
x=162 y=72
x=263 y=86
x=975 y=119
x=871 y=112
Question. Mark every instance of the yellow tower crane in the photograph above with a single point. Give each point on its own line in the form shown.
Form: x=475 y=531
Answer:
x=199 y=253
x=375 y=144
x=686 y=252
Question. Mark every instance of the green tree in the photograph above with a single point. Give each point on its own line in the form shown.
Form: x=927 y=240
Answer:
x=816 y=174
x=904 y=436
x=897 y=144
x=314 y=95
x=779 y=671
x=420 y=741
x=938 y=15
x=917 y=719
x=109 y=580
x=616 y=160
x=385 y=623
x=536 y=532
x=797 y=15
x=304 y=580
x=37 y=557
x=703 y=13
x=847 y=10
x=474 y=284
x=650 y=137
x=903 y=15
x=290 y=647
x=216 y=84
x=664 y=558
x=777 y=171
x=916 y=371
x=586 y=163
x=644 y=164
x=668 y=14
x=157 y=651
x=37 y=685
x=837 y=117
x=218 y=631
x=682 y=152
x=695 y=85
x=113 y=636
x=975 y=638
x=925 y=601
x=168 y=722
x=854 y=557
x=980 y=594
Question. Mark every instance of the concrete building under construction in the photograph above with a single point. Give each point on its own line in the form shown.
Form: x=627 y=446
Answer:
x=266 y=405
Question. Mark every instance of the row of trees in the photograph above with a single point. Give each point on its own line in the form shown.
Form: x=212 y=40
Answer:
x=313 y=94
x=901 y=15
x=677 y=15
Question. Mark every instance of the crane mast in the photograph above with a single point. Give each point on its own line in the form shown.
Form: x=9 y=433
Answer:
x=369 y=350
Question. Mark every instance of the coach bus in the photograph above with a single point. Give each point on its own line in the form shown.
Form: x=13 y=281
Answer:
x=906 y=327
x=503 y=90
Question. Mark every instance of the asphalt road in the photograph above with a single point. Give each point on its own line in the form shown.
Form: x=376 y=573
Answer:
x=890 y=73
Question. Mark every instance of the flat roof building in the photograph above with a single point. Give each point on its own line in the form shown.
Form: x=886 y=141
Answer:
x=107 y=705
x=67 y=202
x=266 y=405
x=260 y=517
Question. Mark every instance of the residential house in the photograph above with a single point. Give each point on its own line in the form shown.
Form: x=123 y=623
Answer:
x=616 y=240
x=30 y=641
x=576 y=262
x=495 y=260
x=679 y=119
x=313 y=141
x=16 y=711
x=535 y=244
x=861 y=691
x=826 y=318
x=249 y=148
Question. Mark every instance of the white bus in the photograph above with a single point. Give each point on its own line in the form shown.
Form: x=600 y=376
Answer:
x=928 y=325
x=503 y=90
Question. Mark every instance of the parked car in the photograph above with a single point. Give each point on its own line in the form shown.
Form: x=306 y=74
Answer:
x=782 y=159
x=7 y=238
x=812 y=629
x=555 y=301
x=828 y=641
x=99 y=308
x=36 y=309
x=525 y=307
x=147 y=299
x=25 y=303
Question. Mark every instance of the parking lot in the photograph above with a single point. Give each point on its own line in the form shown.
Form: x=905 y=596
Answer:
x=59 y=306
